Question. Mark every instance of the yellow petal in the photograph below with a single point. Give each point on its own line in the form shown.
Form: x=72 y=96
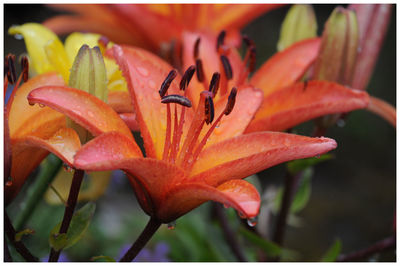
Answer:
x=36 y=37
x=57 y=57
x=75 y=40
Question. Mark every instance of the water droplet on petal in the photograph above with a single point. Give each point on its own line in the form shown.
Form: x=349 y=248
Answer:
x=19 y=36
x=252 y=221
x=90 y=113
x=143 y=71
x=41 y=105
x=241 y=215
x=9 y=183
x=152 y=84
x=340 y=123
x=67 y=168
x=31 y=104
x=172 y=225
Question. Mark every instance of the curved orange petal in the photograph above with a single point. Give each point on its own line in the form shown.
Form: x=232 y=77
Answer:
x=210 y=60
x=238 y=194
x=22 y=115
x=383 y=109
x=84 y=108
x=120 y=101
x=144 y=73
x=248 y=154
x=286 y=67
x=64 y=144
x=300 y=102
x=237 y=15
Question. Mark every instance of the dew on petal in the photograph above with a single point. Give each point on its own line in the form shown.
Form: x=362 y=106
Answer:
x=143 y=71
x=67 y=168
x=172 y=225
x=252 y=221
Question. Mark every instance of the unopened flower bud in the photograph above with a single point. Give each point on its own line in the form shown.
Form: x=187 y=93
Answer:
x=299 y=24
x=338 y=51
x=373 y=21
x=88 y=73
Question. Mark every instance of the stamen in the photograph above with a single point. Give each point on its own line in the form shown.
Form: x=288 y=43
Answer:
x=231 y=101
x=250 y=54
x=187 y=77
x=252 y=59
x=227 y=67
x=199 y=72
x=221 y=39
x=214 y=83
x=167 y=82
x=249 y=42
x=175 y=98
x=167 y=142
x=175 y=137
x=196 y=49
x=209 y=110
x=25 y=68
x=11 y=73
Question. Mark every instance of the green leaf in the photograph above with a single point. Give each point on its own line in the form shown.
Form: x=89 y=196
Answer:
x=58 y=241
x=102 y=259
x=79 y=223
x=303 y=192
x=270 y=248
x=333 y=252
x=19 y=235
x=296 y=166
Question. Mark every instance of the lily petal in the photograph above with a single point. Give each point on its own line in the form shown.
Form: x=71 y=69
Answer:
x=63 y=144
x=286 y=67
x=145 y=73
x=84 y=108
x=130 y=121
x=304 y=101
x=120 y=101
x=238 y=194
x=248 y=154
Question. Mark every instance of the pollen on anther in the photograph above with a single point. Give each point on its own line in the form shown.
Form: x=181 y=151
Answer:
x=221 y=39
x=196 y=48
x=10 y=66
x=199 y=70
x=231 y=101
x=209 y=110
x=227 y=67
x=214 y=83
x=187 y=77
x=167 y=82
x=175 y=98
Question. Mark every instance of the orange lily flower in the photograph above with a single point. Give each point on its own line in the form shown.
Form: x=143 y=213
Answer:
x=37 y=130
x=150 y=25
x=286 y=103
x=186 y=163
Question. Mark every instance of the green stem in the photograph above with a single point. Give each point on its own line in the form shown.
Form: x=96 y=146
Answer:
x=35 y=193
x=142 y=240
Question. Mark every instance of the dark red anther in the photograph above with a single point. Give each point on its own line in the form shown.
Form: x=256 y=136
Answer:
x=167 y=82
x=196 y=48
x=252 y=59
x=214 y=83
x=249 y=42
x=175 y=98
x=11 y=73
x=199 y=70
x=187 y=77
x=209 y=110
x=231 y=101
x=221 y=39
x=25 y=68
x=227 y=66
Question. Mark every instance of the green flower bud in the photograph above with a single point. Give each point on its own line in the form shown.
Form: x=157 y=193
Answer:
x=88 y=73
x=299 y=24
x=338 y=51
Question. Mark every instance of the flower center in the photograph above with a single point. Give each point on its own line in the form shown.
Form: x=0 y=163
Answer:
x=186 y=154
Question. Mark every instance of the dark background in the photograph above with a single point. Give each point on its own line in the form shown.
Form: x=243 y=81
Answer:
x=353 y=196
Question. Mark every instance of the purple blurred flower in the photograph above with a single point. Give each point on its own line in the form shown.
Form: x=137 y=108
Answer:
x=158 y=254
x=63 y=258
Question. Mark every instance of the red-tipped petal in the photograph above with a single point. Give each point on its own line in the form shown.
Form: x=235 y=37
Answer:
x=245 y=155
x=64 y=144
x=144 y=73
x=84 y=108
x=286 y=67
x=238 y=194
x=301 y=102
